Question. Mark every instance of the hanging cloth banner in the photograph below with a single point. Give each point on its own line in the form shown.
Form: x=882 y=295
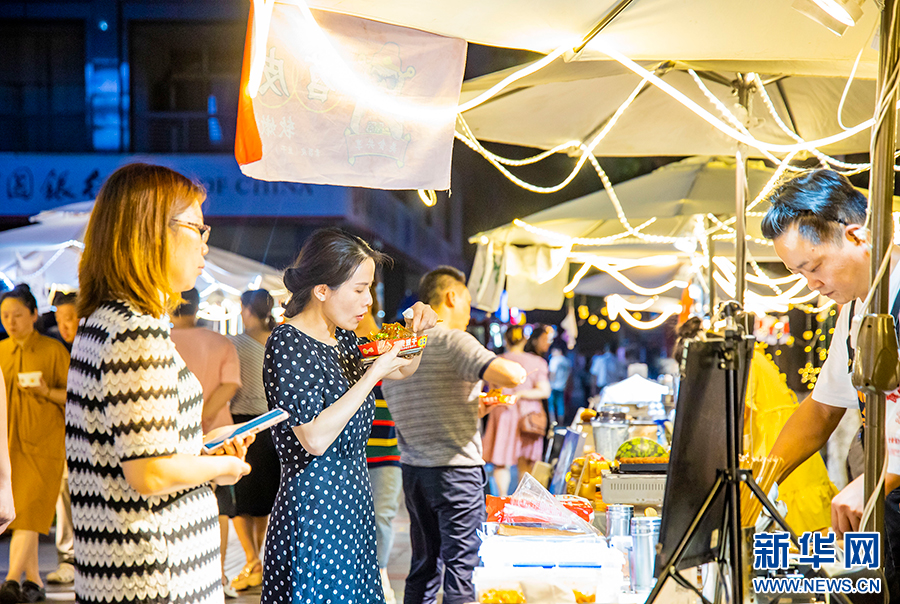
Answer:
x=488 y=276
x=342 y=100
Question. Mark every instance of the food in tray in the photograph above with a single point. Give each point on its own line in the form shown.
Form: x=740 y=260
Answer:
x=391 y=331
x=644 y=460
x=516 y=596
x=583 y=598
x=495 y=396
x=502 y=596
x=392 y=334
x=641 y=448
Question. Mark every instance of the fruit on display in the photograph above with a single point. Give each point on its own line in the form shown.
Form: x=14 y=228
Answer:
x=641 y=448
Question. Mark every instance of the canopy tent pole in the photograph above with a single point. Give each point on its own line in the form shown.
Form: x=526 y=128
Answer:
x=881 y=190
x=711 y=269
x=743 y=86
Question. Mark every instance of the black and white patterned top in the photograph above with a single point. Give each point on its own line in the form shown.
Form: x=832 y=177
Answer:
x=130 y=396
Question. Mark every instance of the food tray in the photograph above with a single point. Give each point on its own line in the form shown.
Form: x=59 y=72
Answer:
x=375 y=348
x=502 y=399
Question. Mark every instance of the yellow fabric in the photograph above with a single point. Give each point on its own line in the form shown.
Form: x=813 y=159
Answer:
x=808 y=491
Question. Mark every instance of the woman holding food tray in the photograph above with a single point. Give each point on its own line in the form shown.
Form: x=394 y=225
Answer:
x=320 y=546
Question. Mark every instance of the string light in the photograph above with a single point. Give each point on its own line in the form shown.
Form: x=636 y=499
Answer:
x=428 y=197
x=721 y=126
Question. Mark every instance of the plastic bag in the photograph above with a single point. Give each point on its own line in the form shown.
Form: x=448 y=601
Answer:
x=532 y=505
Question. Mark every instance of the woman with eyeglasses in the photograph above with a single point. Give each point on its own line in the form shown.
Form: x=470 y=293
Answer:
x=145 y=517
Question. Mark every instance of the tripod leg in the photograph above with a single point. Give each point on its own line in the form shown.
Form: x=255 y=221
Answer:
x=735 y=538
x=773 y=511
x=669 y=567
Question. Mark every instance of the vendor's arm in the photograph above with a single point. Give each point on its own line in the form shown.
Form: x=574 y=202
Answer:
x=540 y=391
x=423 y=317
x=317 y=435
x=848 y=505
x=807 y=431
x=504 y=373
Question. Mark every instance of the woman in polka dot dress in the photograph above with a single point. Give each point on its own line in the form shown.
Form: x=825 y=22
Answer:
x=320 y=547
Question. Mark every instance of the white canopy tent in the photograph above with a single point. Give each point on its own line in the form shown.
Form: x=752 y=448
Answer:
x=548 y=109
x=732 y=35
x=45 y=255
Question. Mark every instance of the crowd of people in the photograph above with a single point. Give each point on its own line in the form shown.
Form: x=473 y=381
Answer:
x=107 y=411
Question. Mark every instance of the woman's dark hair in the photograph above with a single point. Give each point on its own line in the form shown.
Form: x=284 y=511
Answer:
x=23 y=294
x=61 y=298
x=536 y=332
x=329 y=257
x=816 y=201
x=514 y=335
x=686 y=331
x=260 y=303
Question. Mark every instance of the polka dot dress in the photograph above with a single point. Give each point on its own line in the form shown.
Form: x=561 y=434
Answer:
x=320 y=544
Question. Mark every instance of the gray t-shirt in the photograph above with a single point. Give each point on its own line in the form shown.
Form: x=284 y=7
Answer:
x=436 y=409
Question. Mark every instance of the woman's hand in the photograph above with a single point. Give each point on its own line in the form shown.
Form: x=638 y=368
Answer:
x=42 y=389
x=422 y=317
x=220 y=432
x=236 y=447
x=389 y=363
x=7 y=509
x=233 y=469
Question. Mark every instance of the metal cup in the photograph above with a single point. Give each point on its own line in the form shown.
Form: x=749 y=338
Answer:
x=618 y=520
x=644 y=536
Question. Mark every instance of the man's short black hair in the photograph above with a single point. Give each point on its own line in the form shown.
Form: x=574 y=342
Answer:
x=817 y=202
x=435 y=283
x=191 y=304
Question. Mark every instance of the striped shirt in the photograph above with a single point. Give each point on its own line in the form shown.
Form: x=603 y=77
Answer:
x=436 y=409
x=250 y=399
x=130 y=396
x=381 y=448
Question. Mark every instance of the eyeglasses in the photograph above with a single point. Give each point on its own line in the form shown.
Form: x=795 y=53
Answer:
x=202 y=229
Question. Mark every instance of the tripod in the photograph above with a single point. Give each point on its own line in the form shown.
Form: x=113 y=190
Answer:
x=727 y=482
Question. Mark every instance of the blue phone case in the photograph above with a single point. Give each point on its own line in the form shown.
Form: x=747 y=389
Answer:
x=257 y=424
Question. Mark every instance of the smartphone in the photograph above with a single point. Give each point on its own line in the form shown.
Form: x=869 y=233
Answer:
x=257 y=424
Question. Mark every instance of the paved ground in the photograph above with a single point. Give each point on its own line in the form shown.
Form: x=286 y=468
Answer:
x=234 y=560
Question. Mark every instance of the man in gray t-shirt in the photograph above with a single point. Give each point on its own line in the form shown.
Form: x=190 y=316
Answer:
x=436 y=412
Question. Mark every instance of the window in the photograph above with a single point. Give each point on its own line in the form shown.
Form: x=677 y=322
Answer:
x=42 y=94
x=185 y=79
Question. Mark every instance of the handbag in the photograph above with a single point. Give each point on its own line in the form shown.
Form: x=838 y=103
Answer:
x=533 y=425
